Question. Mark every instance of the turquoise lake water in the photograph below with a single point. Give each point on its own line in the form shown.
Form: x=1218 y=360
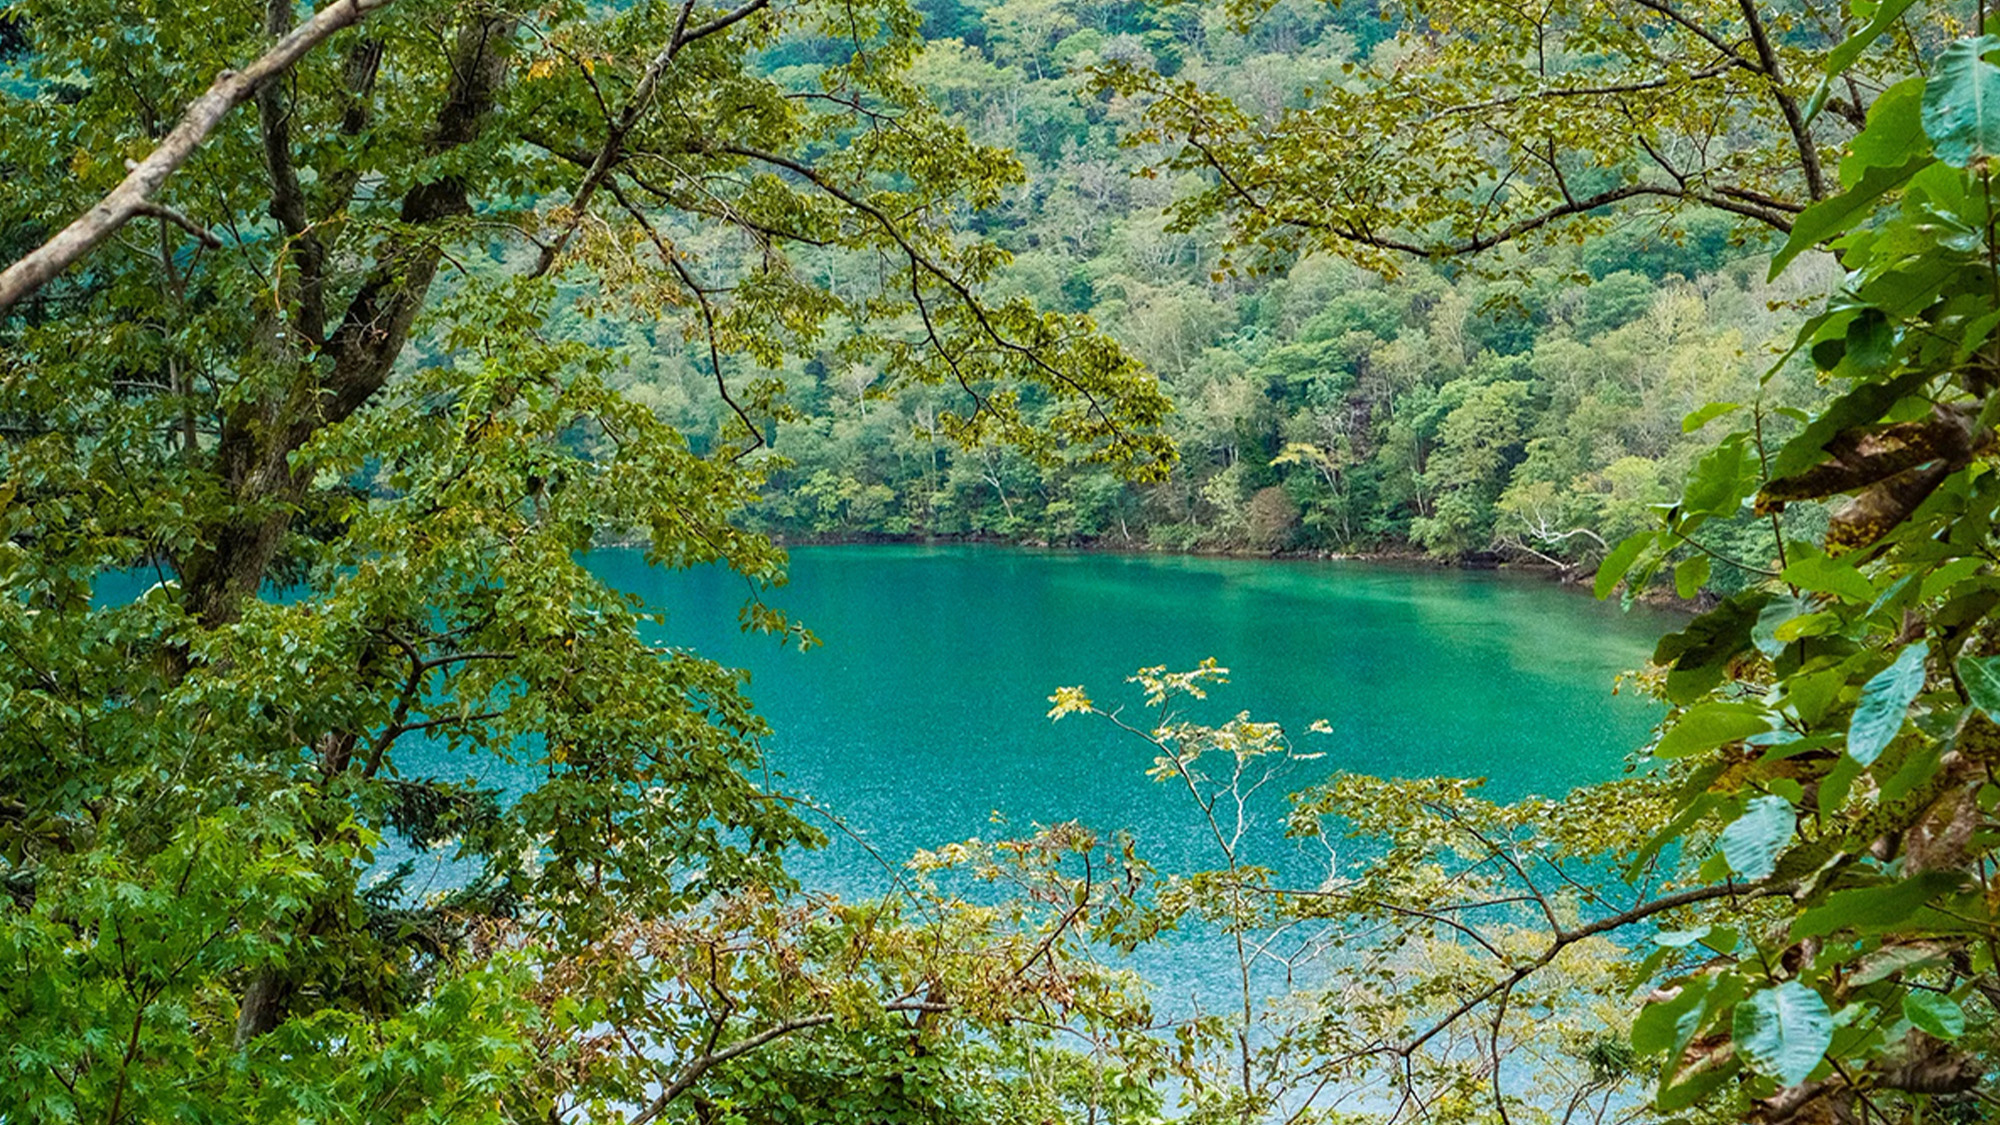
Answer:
x=922 y=716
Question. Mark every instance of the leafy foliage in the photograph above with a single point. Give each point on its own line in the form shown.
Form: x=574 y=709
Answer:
x=1817 y=827
x=1865 y=798
x=335 y=414
x=1368 y=403
x=355 y=399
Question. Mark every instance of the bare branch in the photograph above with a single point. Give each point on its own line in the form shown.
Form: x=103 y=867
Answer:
x=162 y=211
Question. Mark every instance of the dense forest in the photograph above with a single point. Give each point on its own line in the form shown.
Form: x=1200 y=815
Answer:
x=342 y=336
x=1530 y=407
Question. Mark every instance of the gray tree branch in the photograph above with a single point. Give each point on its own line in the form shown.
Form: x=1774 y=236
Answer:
x=134 y=194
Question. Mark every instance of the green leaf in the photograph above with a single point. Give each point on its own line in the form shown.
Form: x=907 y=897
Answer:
x=1894 y=135
x=1836 y=215
x=1830 y=576
x=1677 y=1096
x=1962 y=103
x=1720 y=480
x=1885 y=700
x=1872 y=909
x=1698 y=656
x=1810 y=695
x=1702 y=417
x=1850 y=49
x=1981 y=675
x=1709 y=725
x=1934 y=1013
x=1612 y=570
x=1892 y=597
x=1871 y=344
x=1784 y=1031
x=1752 y=842
x=1777 y=613
x=1978 y=330
x=1690 y=575
x=1665 y=1027
x=1938 y=581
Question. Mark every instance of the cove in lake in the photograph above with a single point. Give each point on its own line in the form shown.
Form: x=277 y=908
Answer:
x=923 y=715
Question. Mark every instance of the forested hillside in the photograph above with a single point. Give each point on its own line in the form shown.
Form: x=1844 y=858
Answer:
x=1530 y=404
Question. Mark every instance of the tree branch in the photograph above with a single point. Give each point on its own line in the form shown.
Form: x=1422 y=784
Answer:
x=642 y=94
x=1563 y=939
x=288 y=200
x=702 y=1064
x=1787 y=105
x=921 y=262
x=162 y=211
x=132 y=195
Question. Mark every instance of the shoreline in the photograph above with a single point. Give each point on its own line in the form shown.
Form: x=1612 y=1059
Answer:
x=1570 y=578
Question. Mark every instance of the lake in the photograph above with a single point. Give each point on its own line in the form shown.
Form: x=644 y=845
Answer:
x=923 y=715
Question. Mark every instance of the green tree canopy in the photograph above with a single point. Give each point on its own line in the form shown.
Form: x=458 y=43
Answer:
x=1486 y=124
x=326 y=400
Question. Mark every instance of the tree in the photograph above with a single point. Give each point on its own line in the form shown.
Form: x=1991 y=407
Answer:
x=1027 y=28
x=1386 y=957
x=1815 y=830
x=327 y=389
x=1835 y=717
x=1487 y=125
x=1477 y=444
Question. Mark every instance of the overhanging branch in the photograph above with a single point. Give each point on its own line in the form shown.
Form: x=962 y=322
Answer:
x=134 y=194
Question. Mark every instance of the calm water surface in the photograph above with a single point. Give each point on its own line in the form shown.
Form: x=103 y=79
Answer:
x=922 y=717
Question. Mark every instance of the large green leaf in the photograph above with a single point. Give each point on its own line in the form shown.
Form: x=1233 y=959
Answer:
x=1698 y=418
x=1823 y=575
x=1721 y=479
x=1894 y=135
x=1612 y=570
x=1876 y=908
x=1709 y=725
x=1843 y=56
x=1698 y=656
x=1666 y=1026
x=1690 y=575
x=1673 y=1097
x=1784 y=1031
x=1751 y=844
x=1829 y=217
x=1962 y=103
x=1981 y=675
x=1885 y=700
x=1934 y=1013
x=1777 y=613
